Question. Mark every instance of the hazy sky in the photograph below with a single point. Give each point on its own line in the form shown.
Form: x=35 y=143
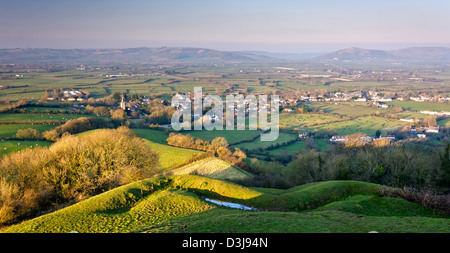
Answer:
x=279 y=26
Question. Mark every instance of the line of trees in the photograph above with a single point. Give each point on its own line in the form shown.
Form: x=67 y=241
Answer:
x=28 y=134
x=117 y=114
x=217 y=147
x=79 y=125
x=12 y=106
x=73 y=126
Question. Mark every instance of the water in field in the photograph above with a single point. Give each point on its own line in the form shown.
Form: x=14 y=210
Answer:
x=231 y=205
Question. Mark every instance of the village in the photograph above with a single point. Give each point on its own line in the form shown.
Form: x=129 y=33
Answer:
x=287 y=102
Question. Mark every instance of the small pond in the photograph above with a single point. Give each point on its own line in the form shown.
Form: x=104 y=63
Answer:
x=231 y=205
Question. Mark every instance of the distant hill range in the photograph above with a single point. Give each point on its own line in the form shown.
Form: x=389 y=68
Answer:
x=141 y=55
x=146 y=55
x=407 y=55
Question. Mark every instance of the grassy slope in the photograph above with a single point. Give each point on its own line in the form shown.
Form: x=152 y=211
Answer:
x=368 y=125
x=235 y=221
x=300 y=145
x=174 y=204
x=152 y=135
x=346 y=109
x=294 y=120
x=10 y=130
x=213 y=168
x=257 y=143
x=168 y=156
x=37 y=118
x=421 y=106
x=8 y=147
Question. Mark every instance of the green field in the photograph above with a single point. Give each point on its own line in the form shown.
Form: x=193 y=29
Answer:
x=321 y=145
x=421 y=106
x=38 y=109
x=33 y=85
x=39 y=118
x=152 y=135
x=290 y=149
x=169 y=156
x=368 y=125
x=293 y=120
x=175 y=204
x=347 y=109
x=257 y=143
x=9 y=130
x=444 y=122
x=8 y=147
x=411 y=115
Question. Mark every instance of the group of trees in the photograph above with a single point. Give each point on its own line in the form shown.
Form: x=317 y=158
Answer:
x=160 y=116
x=429 y=121
x=403 y=164
x=159 y=112
x=11 y=106
x=28 y=134
x=72 y=169
x=217 y=147
x=117 y=114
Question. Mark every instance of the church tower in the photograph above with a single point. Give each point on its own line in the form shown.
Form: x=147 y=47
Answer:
x=122 y=104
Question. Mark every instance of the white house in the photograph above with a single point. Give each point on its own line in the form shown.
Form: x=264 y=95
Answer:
x=433 y=129
x=389 y=137
x=385 y=100
x=338 y=138
x=429 y=112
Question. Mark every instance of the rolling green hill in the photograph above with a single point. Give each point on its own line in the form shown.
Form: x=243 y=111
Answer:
x=213 y=168
x=169 y=156
x=176 y=204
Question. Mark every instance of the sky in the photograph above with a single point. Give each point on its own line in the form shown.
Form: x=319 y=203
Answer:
x=295 y=26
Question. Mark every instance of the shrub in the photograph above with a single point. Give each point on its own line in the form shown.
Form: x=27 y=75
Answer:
x=118 y=114
x=160 y=116
x=28 y=134
x=426 y=198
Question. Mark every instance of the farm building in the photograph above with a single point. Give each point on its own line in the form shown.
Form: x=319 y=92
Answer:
x=338 y=138
x=389 y=137
x=432 y=129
